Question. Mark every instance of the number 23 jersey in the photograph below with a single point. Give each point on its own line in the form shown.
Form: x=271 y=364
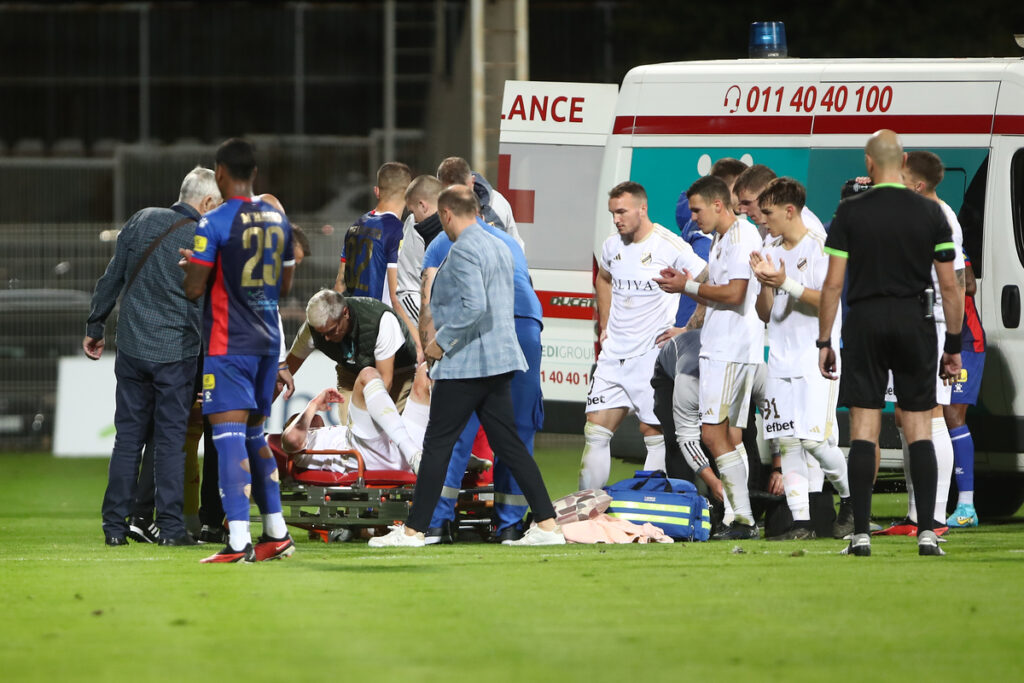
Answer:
x=248 y=243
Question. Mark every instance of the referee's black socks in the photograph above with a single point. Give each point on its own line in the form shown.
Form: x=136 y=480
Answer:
x=861 y=470
x=924 y=475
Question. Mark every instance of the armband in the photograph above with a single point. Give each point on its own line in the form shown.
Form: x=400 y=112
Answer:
x=692 y=287
x=827 y=344
x=792 y=287
x=953 y=343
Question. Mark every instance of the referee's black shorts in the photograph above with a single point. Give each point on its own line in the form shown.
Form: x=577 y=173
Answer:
x=888 y=334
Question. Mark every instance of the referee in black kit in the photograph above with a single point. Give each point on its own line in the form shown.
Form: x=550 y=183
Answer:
x=890 y=237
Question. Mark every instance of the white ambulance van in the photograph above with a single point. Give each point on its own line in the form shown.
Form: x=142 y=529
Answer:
x=807 y=119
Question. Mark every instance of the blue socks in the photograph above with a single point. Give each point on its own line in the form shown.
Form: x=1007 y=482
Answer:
x=963 y=457
x=233 y=467
x=266 y=487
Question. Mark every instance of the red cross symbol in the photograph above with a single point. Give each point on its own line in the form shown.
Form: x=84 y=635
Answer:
x=521 y=200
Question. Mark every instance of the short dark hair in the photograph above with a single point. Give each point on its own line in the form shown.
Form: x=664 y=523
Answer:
x=755 y=178
x=628 y=187
x=927 y=166
x=299 y=235
x=453 y=171
x=392 y=179
x=238 y=157
x=459 y=199
x=710 y=188
x=727 y=167
x=782 y=191
x=425 y=187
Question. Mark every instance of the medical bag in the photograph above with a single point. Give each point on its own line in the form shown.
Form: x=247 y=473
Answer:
x=673 y=505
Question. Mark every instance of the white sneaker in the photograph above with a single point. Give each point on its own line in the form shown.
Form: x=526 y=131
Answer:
x=537 y=536
x=397 y=538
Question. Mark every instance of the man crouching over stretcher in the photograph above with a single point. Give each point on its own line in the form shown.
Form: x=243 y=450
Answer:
x=385 y=439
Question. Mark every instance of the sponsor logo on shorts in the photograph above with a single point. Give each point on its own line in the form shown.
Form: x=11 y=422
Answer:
x=209 y=381
x=773 y=427
x=594 y=400
x=815 y=430
x=200 y=244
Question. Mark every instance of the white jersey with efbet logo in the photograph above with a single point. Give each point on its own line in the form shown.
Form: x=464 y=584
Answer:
x=799 y=402
x=640 y=310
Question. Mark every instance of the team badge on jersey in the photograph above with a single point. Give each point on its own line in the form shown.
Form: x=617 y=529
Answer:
x=801 y=264
x=646 y=259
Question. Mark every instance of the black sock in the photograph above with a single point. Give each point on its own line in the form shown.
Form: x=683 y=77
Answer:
x=861 y=471
x=924 y=475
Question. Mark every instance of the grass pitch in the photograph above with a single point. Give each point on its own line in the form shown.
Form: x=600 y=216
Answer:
x=76 y=610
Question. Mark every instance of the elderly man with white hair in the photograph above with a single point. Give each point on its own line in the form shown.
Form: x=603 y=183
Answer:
x=157 y=346
x=358 y=332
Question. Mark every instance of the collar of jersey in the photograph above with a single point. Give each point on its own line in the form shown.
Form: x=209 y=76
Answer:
x=899 y=185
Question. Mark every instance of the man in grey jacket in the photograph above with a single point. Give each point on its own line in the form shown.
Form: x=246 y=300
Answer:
x=476 y=353
x=158 y=344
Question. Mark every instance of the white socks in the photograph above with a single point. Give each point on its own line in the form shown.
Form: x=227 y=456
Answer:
x=274 y=526
x=655 y=452
x=794 y=478
x=238 y=534
x=384 y=413
x=596 y=464
x=833 y=464
x=733 y=468
x=944 y=465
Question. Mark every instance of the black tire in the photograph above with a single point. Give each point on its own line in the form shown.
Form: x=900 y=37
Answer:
x=997 y=495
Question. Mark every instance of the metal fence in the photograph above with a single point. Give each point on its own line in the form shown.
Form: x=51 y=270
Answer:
x=59 y=230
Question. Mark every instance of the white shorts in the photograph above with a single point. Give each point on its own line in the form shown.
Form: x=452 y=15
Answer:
x=943 y=391
x=800 y=407
x=626 y=384
x=378 y=452
x=725 y=389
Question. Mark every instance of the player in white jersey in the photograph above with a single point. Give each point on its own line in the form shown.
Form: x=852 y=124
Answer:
x=800 y=405
x=922 y=173
x=751 y=183
x=385 y=439
x=732 y=340
x=635 y=316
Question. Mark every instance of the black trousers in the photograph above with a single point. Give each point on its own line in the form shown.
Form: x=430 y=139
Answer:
x=451 y=404
x=675 y=465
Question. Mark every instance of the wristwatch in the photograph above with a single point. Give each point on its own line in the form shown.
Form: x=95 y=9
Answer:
x=827 y=344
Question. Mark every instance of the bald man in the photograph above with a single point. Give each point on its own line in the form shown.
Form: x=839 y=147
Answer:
x=889 y=238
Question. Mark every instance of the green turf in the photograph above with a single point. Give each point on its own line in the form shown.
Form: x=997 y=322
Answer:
x=76 y=610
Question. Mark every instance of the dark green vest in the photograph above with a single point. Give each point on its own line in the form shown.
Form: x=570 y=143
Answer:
x=355 y=351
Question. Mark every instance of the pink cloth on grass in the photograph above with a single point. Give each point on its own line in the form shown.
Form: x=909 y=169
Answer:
x=607 y=529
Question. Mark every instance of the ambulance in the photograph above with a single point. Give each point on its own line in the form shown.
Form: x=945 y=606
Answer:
x=564 y=145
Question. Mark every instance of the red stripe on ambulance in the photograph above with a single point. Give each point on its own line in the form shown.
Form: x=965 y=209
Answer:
x=567 y=305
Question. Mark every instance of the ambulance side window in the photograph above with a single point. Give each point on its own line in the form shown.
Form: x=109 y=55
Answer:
x=972 y=217
x=1017 y=200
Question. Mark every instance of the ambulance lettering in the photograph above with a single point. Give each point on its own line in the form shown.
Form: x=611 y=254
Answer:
x=560 y=108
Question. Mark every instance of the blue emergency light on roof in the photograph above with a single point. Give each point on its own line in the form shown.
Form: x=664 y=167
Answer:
x=767 y=39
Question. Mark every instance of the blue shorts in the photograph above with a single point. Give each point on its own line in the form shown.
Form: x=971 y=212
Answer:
x=238 y=383
x=968 y=384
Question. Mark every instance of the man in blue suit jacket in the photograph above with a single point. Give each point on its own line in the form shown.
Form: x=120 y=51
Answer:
x=476 y=354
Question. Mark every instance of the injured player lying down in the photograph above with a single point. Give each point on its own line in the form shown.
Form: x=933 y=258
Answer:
x=385 y=439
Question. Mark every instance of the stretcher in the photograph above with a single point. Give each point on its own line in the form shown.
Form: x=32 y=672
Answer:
x=334 y=506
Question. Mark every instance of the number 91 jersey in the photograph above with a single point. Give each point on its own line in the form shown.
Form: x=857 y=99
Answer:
x=248 y=243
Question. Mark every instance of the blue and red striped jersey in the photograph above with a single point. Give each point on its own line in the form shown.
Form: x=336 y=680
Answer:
x=248 y=243
x=371 y=243
x=972 y=336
